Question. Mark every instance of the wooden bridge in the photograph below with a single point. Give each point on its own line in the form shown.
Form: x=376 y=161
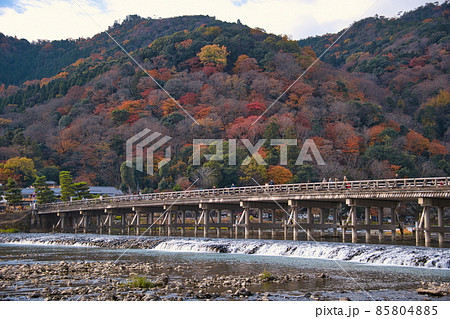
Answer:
x=271 y=210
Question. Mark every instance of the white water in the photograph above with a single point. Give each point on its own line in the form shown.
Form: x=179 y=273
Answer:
x=362 y=253
x=369 y=254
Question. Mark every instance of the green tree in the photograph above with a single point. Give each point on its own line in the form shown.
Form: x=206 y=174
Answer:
x=163 y=185
x=253 y=172
x=81 y=190
x=51 y=173
x=13 y=193
x=305 y=173
x=43 y=193
x=67 y=189
x=127 y=176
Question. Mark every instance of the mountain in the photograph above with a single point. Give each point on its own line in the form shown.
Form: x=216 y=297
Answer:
x=377 y=104
x=21 y=60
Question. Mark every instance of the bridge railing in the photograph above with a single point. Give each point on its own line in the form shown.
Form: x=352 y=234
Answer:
x=341 y=186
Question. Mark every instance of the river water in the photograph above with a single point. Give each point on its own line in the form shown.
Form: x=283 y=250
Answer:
x=356 y=271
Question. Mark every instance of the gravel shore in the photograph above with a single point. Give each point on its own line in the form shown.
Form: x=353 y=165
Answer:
x=114 y=281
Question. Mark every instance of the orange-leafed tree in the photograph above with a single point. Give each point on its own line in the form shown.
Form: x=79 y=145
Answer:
x=245 y=64
x=437 y=148
x=279 y=174
x=416 y=143
x=352 y=145
x=168 y=106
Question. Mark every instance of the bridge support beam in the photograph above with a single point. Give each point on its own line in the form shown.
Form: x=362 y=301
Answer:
x=393 y=222
x=86 y=221
x=321 y=222
x=63 y=217
x=149 y=221
x=110 y=221
x=427 y=203
x=206 y=213
x=169 y=216
x=309 y=222
x=335 y=221
x=232 y=219
x=246 y=223
x=354 y=224
x=426 y=225
x=367 y=222
x=138 y=223
x=441 y=224
x=218 y=221
x=260 y=221
x=273 y=220
x=380 y=222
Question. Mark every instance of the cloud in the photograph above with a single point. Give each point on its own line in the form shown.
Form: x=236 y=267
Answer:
x=61 y=19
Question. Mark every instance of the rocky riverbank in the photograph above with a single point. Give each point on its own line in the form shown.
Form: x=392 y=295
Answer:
x=136 y=281
x=157 y=281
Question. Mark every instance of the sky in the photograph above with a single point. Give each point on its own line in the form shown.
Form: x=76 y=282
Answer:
x=63 y=19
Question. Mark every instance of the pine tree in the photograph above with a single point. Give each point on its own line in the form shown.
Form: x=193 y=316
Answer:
x=43 y=193
x=81 y=190
x=67 y=189
x=13 y=193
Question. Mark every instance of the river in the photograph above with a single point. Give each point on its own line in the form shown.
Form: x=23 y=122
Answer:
x=328 y=270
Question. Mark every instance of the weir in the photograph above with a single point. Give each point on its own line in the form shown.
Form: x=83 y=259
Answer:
x=348 y=209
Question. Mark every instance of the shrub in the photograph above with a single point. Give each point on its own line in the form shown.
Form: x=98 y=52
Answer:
x=10 y=230
x=141 y=282
x=266 y=276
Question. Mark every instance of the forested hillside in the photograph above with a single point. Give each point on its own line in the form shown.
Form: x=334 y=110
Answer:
x=378 y=105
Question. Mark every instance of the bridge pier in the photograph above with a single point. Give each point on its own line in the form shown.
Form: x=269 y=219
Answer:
x=183 y=221
x=260 y=221
x=98 y=222
x=380 y=222
x=205 y=222
x=426 y=225
x=169 y=222
x=294 y=223
x=218 y=221
x=232 y=214
x=110 y=221
x=367 y=222
x=246 y=223
x=321 y=221
x=354 y=224
x=138 y=223
x=335 y=220
x=441 y=234
x=440 y=204
x=63 y=217
x=273 y=221
x=123 y=222
x=86 y=221
x=393 y=222
x=195 y=223
x=309 y=222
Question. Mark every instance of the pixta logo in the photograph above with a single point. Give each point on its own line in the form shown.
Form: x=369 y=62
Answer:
x=307 y=151
x=151 y=142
